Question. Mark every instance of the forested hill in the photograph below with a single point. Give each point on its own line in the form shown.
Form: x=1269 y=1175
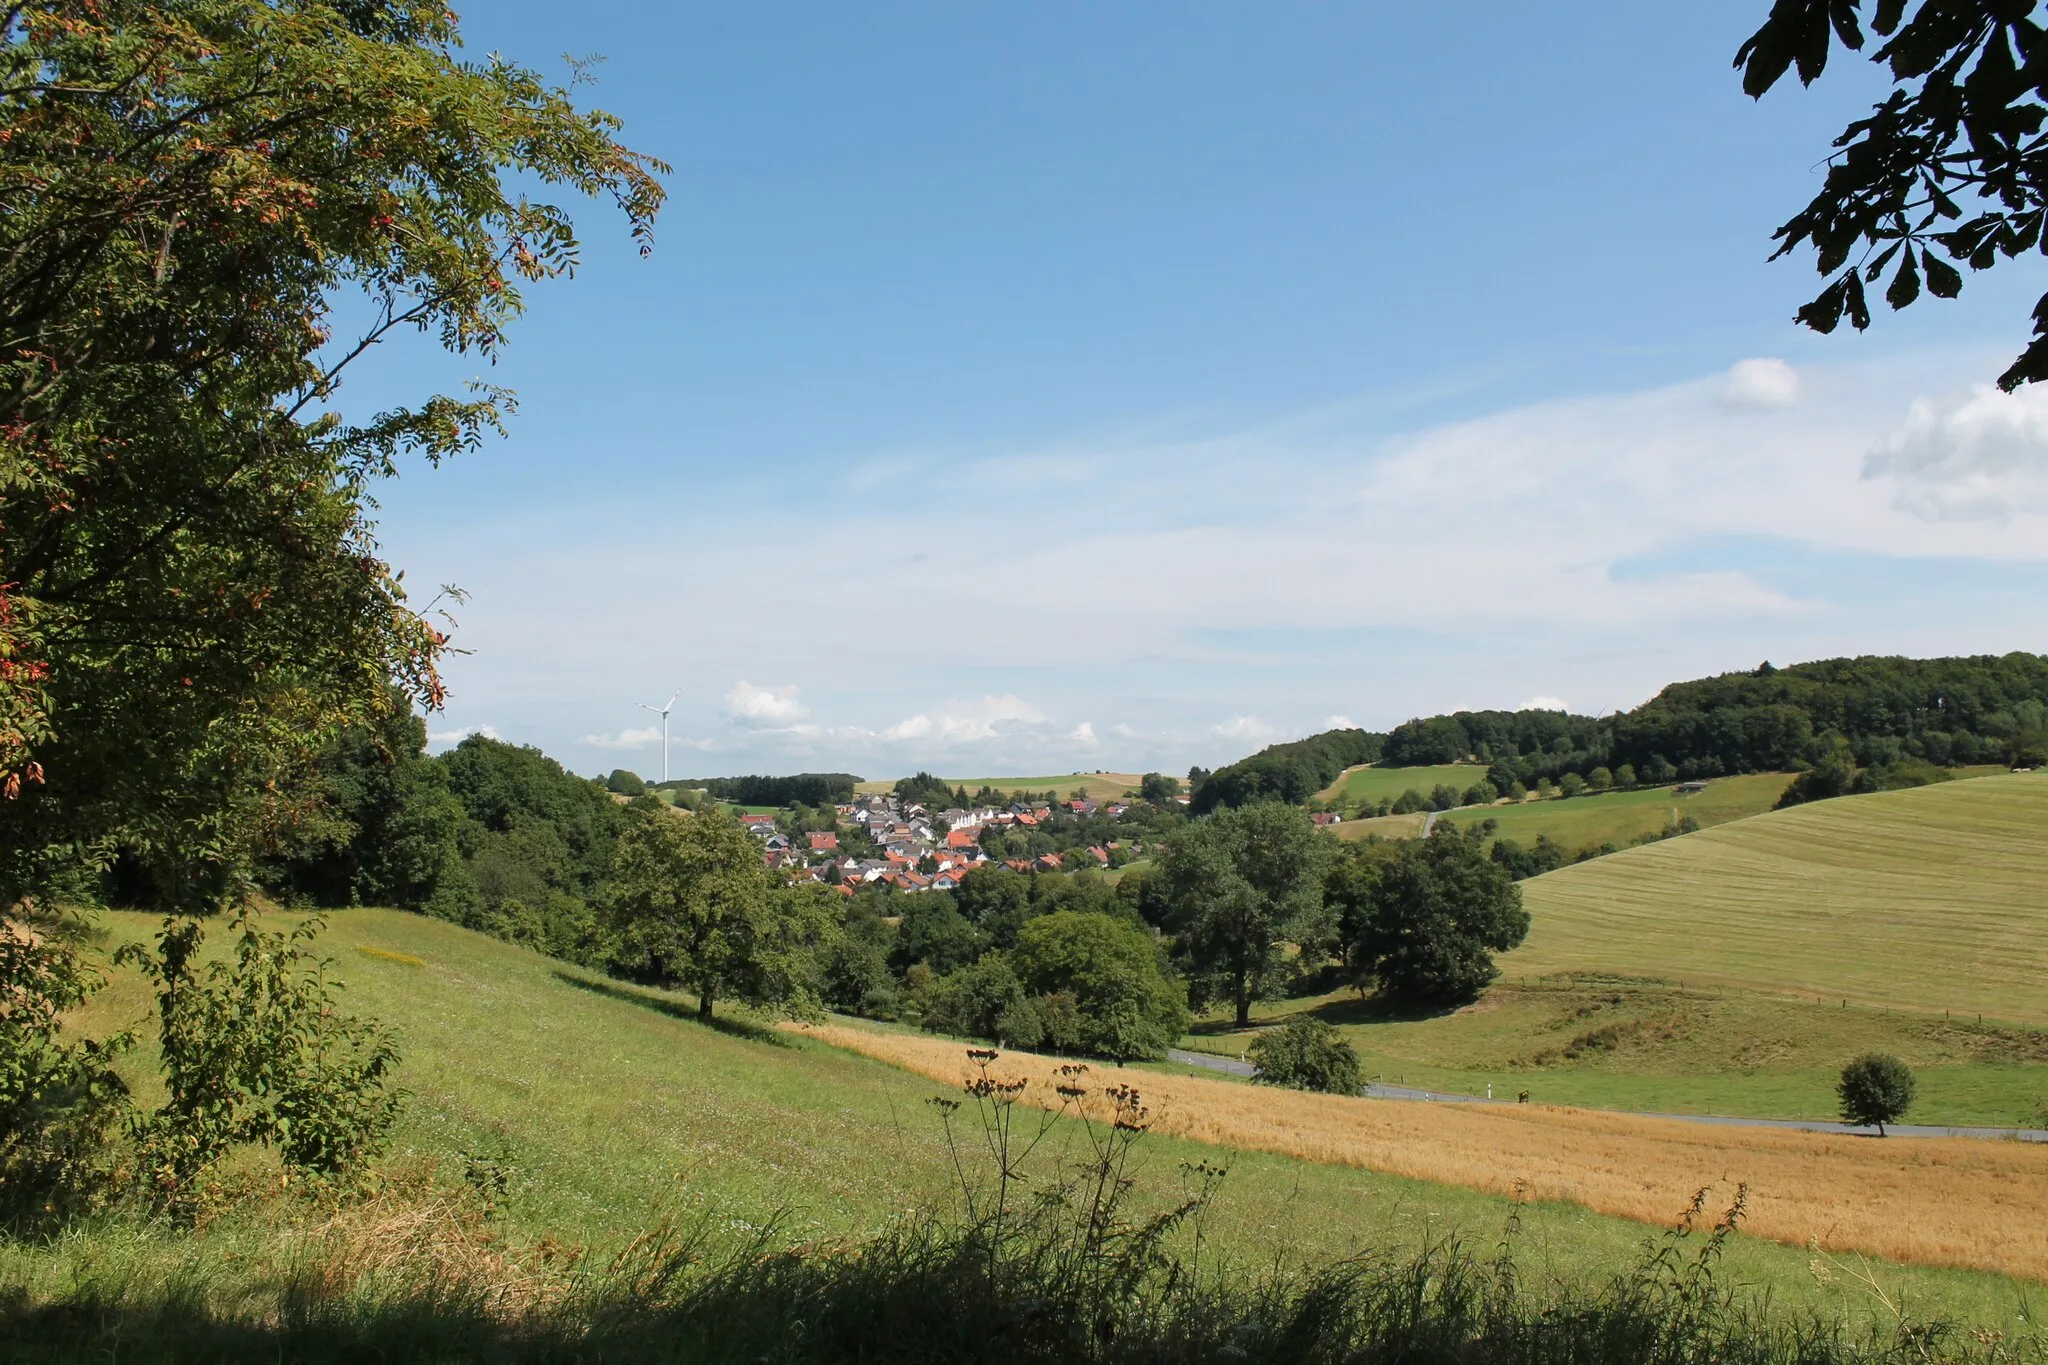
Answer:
x=1876 y=712
x=1290 y=772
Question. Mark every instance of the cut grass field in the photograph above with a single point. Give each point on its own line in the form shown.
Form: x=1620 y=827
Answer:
x=1370 y=783
x=1098 y=786
x=1930 y=899
x=1620 y=818
x=1948 y=1201
x=1617 y=818
x=605 y=1107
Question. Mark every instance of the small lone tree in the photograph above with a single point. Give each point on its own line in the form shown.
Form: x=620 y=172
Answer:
x=1875 y=1089
x=1306 y=1054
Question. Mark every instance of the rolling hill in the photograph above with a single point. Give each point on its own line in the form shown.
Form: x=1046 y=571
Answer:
x=1929 y=899
x=600 y=1107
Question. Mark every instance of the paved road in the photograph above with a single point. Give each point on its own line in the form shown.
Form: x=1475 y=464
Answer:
x=1234 y=1067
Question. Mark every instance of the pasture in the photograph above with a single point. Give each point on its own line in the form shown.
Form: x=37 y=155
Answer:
x=1619 y=818
x=1098 y=786
x=1629 y=1044
x=1929 y=899
x=1370 y=783
x=598 y=1107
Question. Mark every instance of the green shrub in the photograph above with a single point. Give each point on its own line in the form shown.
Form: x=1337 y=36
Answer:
x=1307 y=1054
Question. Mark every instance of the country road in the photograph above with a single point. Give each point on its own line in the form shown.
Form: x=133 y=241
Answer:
x=1232 y=1066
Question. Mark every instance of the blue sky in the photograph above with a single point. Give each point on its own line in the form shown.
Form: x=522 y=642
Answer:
x=1124 y=386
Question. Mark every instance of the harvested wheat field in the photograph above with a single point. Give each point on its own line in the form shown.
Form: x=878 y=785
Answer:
x=1961 y=1202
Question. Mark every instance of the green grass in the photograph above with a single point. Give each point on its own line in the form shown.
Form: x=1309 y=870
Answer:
x=1930 y=899
x=1622 y=817
x=1724 y=958
x=1369 y=783
x=608 y=1105
x=1614 y=1044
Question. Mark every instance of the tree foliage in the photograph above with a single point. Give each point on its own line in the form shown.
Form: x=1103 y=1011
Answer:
x=1291 y=772
x=1950 y=169
x=1101 y=986
x=798 y=789
x=1306 y=1054
x=1422 y=919
x=255 y=1050
x=693 y=905
x=59 y=1099
x=194 y=597
x=1237 y=886
x=1875 y=1089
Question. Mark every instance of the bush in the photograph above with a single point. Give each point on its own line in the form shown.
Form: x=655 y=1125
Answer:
x=255 y=1051
x=1307 y=1054
x=1875 y=1089
x=625 y=783
x=1124 y=1006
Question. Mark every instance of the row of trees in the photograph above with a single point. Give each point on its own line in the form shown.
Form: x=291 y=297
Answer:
x=1887 y=720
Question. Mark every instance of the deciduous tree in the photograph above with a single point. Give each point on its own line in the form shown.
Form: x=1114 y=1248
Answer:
x=1949 y=169
x=1238 y=885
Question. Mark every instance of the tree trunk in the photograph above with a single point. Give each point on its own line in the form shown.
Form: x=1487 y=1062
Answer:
x=704 y=995
x=1244 y=1002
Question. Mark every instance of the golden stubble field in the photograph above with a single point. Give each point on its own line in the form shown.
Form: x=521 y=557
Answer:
x=1962 y=1202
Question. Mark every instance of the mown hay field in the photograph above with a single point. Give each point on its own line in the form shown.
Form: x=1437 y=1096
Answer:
x=1953 y=1202
x=1929 y=899
x=1371 y=783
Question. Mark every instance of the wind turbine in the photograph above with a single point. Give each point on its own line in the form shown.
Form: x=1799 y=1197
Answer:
x=662 y=711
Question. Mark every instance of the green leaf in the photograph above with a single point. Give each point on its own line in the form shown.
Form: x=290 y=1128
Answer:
x=1944 y=281
x=1905 y=286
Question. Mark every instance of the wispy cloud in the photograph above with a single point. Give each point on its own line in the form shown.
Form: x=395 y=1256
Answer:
x=1115 y=564
x=625 y=739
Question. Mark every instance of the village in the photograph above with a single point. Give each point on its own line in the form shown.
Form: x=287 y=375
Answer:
x=912 y=848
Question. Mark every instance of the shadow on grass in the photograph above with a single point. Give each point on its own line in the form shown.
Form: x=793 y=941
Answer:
x=647 y=999
x=1354 y=1010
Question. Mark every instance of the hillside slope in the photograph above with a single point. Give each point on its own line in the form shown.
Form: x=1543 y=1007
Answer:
x=1929 y=899
x=602 y=1108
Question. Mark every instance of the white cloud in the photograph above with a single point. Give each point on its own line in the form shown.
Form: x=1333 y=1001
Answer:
x=457 y=736
x=1543 y=704
x=1340 y=723
x=969 y=722
x=764 y=706
x=1982 y=456
x=1630 y=557
x=626 y=739
x=1084 y=735
x=1765 y=382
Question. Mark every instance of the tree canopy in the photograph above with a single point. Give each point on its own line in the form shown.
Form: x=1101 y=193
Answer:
x=1237 y=885
x=194 y=598
x=1950 y=169
x=1422 y=919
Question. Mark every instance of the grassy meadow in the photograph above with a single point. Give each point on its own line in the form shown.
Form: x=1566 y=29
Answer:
x=1098 y=786
x=1618 y=818
x=1929 y=899
x=593 y=1108
x=1370 y=783
x=1648 y=1046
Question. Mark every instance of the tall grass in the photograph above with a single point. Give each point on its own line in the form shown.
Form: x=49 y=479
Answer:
x=1049 y=1258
